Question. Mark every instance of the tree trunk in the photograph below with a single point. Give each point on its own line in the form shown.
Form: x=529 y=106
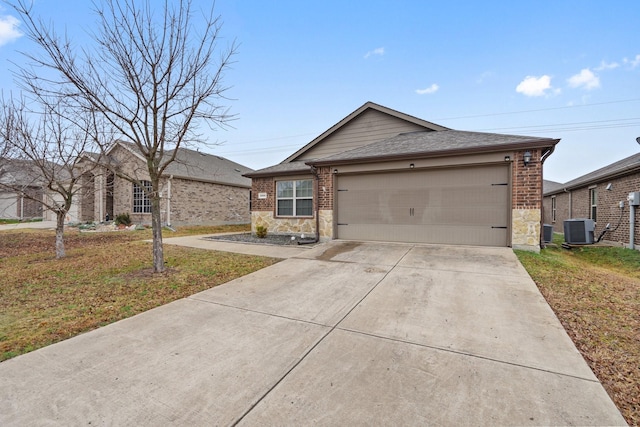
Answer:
x=60 y=234
x=156 y=226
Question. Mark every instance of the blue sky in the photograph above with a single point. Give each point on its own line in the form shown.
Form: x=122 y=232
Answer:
x=559 y=69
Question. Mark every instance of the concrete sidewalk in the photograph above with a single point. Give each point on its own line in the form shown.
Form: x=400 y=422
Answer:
x=345 y=333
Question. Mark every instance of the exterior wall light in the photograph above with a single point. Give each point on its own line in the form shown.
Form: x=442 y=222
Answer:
x=412 y=166
x=335 y=171
x=526 y=158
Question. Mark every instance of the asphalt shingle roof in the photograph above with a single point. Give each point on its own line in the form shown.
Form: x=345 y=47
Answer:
x=628 y=164
x=199 y=166
x=283 y=168
x=208 y=167
x=428 y=142
x=548 y=186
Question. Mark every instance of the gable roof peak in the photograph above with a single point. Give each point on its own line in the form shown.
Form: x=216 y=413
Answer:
x=369 y=105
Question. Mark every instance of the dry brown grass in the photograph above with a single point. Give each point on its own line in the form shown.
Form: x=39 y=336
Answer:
x=595 y=292
x=104 y=278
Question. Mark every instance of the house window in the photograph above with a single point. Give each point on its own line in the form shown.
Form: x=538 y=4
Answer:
x=141 y=200
x=294 y=198
x=593 y=198
x=553 y=208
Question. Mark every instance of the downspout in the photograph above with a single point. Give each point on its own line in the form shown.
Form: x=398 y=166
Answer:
x=632 y=225
x=543 y=157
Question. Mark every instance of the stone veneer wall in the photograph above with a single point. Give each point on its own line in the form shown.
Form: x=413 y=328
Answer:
x=326 y=224
x=526 y=214
x=282 y=225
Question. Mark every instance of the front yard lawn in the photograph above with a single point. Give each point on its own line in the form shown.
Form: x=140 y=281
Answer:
x=105 y=277
x=595 y=292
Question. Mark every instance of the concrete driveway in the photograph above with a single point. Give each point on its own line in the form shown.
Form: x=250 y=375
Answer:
x=341 y=334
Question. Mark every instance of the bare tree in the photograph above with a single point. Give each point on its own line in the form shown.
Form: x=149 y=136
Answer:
x=41 y=151
x=155 y=75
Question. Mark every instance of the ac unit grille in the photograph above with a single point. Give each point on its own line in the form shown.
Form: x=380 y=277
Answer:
x=579 y=231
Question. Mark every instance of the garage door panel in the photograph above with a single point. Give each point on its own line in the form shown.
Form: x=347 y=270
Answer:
x=457 y=206
x=443 y=234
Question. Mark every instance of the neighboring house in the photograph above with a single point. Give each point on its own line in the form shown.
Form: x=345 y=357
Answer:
x=29 y=202
x=380 y=174
x=597 y=195
x=197 y=188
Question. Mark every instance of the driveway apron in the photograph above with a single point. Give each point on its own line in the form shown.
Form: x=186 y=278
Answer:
x=345 y=333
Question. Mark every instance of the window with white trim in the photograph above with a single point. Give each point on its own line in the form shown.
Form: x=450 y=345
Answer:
x=553 y=208
x=294 y=198
x=593 y=198
x=141 y=200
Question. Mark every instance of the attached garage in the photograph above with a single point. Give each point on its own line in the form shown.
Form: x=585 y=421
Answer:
x=382 y=175
x=464 y=205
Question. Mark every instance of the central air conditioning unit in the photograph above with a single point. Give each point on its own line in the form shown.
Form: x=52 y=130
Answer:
x=579 y=231
x=547 y=233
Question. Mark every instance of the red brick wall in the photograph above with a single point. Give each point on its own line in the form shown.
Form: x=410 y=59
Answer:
x=325 y=188
x=608 y=210
x=263 y=185
x=268 y=185
x=580 y=203
x=527 y=181
x=562 y=211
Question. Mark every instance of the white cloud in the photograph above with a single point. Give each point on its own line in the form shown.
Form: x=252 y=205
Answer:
x=431 y=89
x=607 y=66
x=585 y=79
x=633 y=62
x=534 y=86
x=9 y=29
x=379 y=51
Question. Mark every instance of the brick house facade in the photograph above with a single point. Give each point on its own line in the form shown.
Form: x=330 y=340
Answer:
x=610 y=186
x=428 y=151
x=197 y=189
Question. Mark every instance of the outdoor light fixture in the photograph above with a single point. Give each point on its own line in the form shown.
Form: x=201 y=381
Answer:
x=526 y=158
x=335 y=171
x=412 y=165
x=507 y=158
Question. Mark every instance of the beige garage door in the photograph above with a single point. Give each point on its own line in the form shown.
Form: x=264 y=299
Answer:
x=467 y=205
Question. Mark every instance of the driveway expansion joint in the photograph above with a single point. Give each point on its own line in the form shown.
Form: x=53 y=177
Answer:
x=463 y=353
x=322 y=338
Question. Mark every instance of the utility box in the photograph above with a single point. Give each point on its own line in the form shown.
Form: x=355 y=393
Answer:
x=579 y=231
x=547 y=234
x=634 y=198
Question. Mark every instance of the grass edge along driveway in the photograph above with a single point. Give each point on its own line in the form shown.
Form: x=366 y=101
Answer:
x=595 y=292
x=105 y=277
